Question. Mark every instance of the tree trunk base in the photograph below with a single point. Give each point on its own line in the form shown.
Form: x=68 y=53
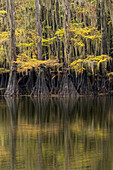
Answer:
x=40 y=89
x=12 y=88
x=31 y=81
x=67 y=88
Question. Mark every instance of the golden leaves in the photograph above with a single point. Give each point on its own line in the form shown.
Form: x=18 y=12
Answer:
x=80 y=63
x=24 y=62
x=3 y=12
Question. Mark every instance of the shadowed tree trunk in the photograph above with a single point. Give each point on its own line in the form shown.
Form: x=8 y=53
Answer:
x=40 y=88
x=12 y=88
x=104 y=49
x=111 y=10
x=67 y=88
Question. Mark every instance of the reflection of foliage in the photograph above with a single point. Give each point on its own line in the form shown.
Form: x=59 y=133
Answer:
x=3 y=155
x=50 y=131
x=91 y=132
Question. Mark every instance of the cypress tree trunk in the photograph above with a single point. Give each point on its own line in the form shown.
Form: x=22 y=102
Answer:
x=66 y=5
x=103 y=29
x=58 y=27
x=38 y=26
x=111 y=10
x=12 y=88
x=67 y=88
x=40 y=89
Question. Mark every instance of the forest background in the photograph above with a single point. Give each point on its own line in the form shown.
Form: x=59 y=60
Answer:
x=56 y=47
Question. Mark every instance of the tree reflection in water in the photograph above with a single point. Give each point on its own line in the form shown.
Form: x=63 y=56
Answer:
x=52 y=133
x=13 y=104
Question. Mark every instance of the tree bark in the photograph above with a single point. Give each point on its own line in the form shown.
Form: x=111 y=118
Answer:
x=38 y=26
x=66 y=4
x=40 y=89
x=104 y=49
x=12 y=88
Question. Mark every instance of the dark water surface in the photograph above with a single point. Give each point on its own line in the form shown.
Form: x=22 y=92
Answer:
x=56 y=134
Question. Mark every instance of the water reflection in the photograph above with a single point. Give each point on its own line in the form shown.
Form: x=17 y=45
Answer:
x=61 y=134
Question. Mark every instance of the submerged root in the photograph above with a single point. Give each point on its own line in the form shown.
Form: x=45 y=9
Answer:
x=40 y=89
x=67 y=88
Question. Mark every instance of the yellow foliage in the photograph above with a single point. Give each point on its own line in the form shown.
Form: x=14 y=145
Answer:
x=78 y=64
x=3 y=12
x=24 y=62
x=109 y=74
x=86 y=32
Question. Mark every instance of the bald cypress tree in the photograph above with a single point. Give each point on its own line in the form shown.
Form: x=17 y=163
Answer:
x=38 y=27
x=104 y=49
x=66 y=4
x=40 y=88
x=12 y=88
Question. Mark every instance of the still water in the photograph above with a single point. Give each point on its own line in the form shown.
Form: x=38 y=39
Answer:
x=56 y=134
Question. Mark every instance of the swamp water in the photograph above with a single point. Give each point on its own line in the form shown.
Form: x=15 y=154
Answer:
x=56 y=134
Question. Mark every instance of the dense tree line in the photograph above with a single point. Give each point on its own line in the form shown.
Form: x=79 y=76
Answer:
x=54 y=47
